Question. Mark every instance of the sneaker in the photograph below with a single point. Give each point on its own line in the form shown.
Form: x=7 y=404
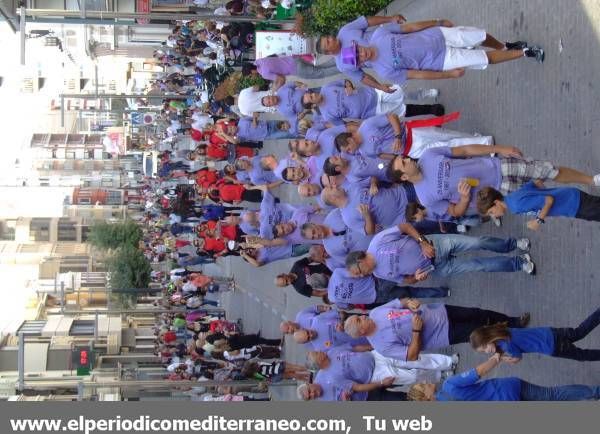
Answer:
x=536 y=53
x=524 y=319
x=461 y=229
x=597 y=180
x=528 y=265
x=517 y=45
x=523 y=244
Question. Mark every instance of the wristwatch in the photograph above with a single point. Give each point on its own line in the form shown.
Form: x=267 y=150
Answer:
x=421 y=239
x=540 y=220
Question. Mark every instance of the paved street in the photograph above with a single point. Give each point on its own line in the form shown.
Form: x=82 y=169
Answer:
x=551 y=111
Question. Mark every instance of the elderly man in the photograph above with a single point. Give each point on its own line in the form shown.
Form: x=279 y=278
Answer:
x=303 y=319
x=358 y=372
x=368 y=210
x=294 y=171
x=386 y=136
x=338 y=243
x=341 y=100
x=287 y=100
x=253 y=170
x=252 y=129
x=447 y=180
x=288 y=231
x=401 y=254
x=326 y=332
x=401 y=329
x=307 y=277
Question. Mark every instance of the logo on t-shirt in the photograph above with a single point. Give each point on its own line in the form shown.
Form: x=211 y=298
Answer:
x=395 y=314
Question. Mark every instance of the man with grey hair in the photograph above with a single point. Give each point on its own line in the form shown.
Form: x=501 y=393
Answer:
x=373 y=368
x=401 y=329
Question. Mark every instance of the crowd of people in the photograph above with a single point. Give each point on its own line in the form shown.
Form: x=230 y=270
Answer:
x=396 y=194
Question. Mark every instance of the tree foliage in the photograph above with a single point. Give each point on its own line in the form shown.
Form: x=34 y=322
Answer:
x=128 y=268
x=115 y=235
x=325 y=17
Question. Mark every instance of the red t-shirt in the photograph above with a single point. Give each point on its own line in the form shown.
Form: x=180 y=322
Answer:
x=214 y=245
x=216 y=151
x=231 y=192
x=229 y=231
x=210 y=225
x=181 y=243
x=205 y=178
x=169 y=336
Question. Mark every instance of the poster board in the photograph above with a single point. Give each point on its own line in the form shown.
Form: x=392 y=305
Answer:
x=282 y=43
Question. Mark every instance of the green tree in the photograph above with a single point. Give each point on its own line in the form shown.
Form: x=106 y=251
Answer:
x=114 y=235
x=128 y=269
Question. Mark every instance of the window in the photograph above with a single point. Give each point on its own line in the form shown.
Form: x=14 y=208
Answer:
x=32 y=328
x=39 y=229
x=66 y=230
x=82 y=327
x=113 y=197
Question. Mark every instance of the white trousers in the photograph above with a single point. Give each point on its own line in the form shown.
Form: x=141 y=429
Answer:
x=427 y=369
x=433 y=137
x=459 y=48
x=390 y=102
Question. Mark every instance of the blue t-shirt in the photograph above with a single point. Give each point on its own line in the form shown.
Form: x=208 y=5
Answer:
x=529 y=199
x=249 y=133
x=387 y=207
x=272 y=213
x=468 y=387
x=531 y=340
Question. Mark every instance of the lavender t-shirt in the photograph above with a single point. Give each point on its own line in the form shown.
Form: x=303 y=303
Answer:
x=441 y=174
x=328 y=336
x=338 y=246
x=387 y=207
x=335 y=221
x=270 y=254
x=399 y=52
x=332 y=387
x=305 y=316
x=326 y=140
x=302 y=215
x=270 y=67
x=337 y=105
x=272 y=213
x=290 y=100
x=394 y=328
x=258 y=175
x=343 y=289
x=349 y=366
x=397 y=255
x=363 y=168
x=248 y=132
x=378 y=136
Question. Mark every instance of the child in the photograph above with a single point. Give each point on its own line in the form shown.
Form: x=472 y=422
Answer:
x=533 y=199
x=555 y=342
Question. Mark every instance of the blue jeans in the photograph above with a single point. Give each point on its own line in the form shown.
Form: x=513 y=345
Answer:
x=387 y=291
x=447 y=246
x=194 y=260
x=572 y=392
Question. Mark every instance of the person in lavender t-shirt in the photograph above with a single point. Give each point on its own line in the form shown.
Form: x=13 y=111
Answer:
x=358 y=169
x=278 y=67
x=317 y=146
x=289 y=231
x=264 y=255
x=340 y=100
x=436 y=49
x=287 y=100
x=293 y=171
x=385 y=136
x=251 y=129
x=271 y=213
x=366 y=210
x=337 y=243
x=357 y=31
x=402 y=255
x=324 y=333
x=401 y=329
x=303 y=319
x=251 y=170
